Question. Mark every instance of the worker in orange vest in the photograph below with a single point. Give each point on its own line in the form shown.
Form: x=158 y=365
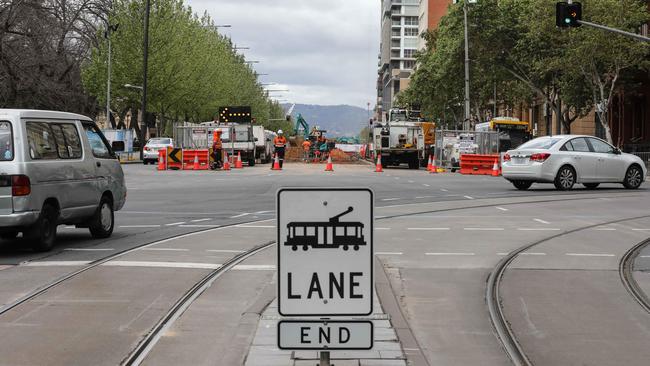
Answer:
x=306 y=146
x=217 y=150
x=280 y=144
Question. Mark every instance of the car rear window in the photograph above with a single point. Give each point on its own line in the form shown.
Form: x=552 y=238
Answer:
x=541 y=143
x=6 y=141
x=159 y=142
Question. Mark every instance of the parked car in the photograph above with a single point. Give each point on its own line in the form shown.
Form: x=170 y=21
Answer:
x=56 y=168
x=150 y=154
x=565 y=160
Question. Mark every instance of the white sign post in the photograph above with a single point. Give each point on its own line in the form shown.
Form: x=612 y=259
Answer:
x=325 y=267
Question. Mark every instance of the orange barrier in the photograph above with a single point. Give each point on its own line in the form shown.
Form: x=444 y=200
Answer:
x=196 y=159
x=471 y=164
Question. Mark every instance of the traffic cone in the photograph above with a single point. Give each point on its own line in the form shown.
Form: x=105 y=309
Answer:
x=161 y=160
x=434 y=168
x=430 y=164
x=329 y=167
x=379 y=168
x=226 y=162
x=276 y=163
x=495 y=168
x=238 y=163
x=197 y=166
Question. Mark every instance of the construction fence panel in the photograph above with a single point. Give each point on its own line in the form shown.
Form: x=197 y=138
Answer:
x=451 y=144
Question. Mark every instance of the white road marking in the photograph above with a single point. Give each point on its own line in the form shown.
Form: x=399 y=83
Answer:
x=426 y=185
x=198 y=226
x=262 y=212
x=419 y=198
x=390 y=199
x=645 y=256
x=201 y=220
x=410 y=181
x=469 y=197
x=542 y=221
x=389 y=253
x=224 y=251
x=589 y=255
x=428 y=228
x=254 y=267
x=89 y=249
x=256 y=226
x=162 y=264
x=483 y=229
x=538 y=229
x=382 y=228
x=138 y=226
x=240 y=215
x=501 y=209
x=175 y=223
x=532 y=253
x=451 y=254
x=444 y=190
x=167 y=249
x=640 y=229
x=605 y=229
x=56 y=263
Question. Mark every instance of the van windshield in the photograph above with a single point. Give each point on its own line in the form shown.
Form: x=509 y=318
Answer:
x=6 y=141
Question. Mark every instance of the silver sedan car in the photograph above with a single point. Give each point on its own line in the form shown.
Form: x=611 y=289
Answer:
x=565 y=160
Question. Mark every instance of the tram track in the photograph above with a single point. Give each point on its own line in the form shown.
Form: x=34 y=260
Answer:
x=498 y=319
x=625 y=270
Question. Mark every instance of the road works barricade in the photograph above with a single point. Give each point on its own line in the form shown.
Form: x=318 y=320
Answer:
x=473 y=164
x=196 y=159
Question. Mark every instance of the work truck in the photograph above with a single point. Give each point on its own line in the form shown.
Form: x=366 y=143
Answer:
x=404 y=139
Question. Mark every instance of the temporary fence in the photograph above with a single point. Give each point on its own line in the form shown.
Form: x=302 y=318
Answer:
x=192 y=136
x=451 y=144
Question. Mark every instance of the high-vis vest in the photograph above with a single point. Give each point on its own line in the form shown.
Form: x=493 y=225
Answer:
x=280 y=141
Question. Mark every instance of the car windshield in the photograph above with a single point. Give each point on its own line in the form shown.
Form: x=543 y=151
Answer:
x=159 y=142
x=541 y=143
x=6 y=142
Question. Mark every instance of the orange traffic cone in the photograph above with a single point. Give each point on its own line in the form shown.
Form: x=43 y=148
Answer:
x=379 y=168
x=197 y=166
x=434 y=168
x=161 y=159
x=430 y=164
x=329 y=167
x=226 y=162
x=238 y=163
x=495 y=168
x=276 y=163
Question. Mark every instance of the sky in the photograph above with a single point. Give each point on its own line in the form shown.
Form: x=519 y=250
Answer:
x=323 y=51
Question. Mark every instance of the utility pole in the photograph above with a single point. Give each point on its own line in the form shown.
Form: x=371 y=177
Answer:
x=466 y=124
x=109 y=29
x=145 y=67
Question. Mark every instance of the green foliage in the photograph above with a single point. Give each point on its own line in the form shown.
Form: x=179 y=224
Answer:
x=193 y=70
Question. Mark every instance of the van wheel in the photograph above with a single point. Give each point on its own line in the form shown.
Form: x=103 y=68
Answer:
x=103 y=221
x=42 y=234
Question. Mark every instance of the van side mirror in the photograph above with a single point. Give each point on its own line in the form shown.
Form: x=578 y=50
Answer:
x=117 y=146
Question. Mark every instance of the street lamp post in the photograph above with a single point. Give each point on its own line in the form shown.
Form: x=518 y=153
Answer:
x=466 y=124
x=109 y=29
x=145 y=67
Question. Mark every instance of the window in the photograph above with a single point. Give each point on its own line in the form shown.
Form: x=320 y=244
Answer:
x=41 y=142
x=580 y=145
x=300 y=231
x=411 y=32
x=601 y=146
x=410 y=42
x=395 y=43
x=311 y=231
x=567 y=147
x=409 y=65
x=413 y=21
x=6 y=141
x=409 y=53
x=340 y=231
x=68 y=144
x=97 y=142
x=541 y=143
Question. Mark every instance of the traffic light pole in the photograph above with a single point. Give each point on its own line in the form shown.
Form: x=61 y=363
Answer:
x=466 y=122
x=145 y=71
x=614 y=30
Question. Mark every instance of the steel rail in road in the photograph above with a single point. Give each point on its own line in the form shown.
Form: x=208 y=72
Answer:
x=625 y=268
x=151 y=339
x=493 y=298
x=99 y=262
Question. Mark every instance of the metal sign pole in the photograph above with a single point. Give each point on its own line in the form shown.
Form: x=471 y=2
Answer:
x=324 y=359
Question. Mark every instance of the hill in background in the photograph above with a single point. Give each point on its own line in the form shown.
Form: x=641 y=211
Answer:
x=338 y=120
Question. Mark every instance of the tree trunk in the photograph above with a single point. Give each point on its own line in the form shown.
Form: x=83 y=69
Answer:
x=603 y=116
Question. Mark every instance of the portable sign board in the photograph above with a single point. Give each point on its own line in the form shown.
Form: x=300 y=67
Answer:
x=175 y=155
x=325 y=252
x=325 y=335
x=235 y=115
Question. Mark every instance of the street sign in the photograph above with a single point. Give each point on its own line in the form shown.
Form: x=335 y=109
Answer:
x=325 y=335
x=235 y=115
x=325 y=252
x=175 y=155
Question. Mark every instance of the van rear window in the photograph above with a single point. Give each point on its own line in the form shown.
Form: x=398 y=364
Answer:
x=6 y=141
x=50 y=141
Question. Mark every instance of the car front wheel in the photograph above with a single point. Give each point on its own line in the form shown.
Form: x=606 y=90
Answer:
x=565 y=179
x=633 y=177
x=102 y=223
x=522 y=185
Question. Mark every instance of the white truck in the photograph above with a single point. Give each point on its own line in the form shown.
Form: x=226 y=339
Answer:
x=263 y=143
x=401 y=140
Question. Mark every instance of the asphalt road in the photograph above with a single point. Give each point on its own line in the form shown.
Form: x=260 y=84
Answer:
x=437 y=238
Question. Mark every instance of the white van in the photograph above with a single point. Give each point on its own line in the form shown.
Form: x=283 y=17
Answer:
x=56 y=168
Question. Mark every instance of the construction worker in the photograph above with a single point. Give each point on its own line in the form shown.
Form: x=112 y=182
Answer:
x=217 y=150
x=306 y=147
x=280 y=144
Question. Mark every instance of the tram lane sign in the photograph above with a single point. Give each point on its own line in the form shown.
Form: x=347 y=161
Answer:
x=325 y=252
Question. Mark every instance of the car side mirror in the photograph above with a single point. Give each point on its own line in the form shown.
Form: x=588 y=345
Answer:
x=256 y=139
x=617 y=151
x=117 y=146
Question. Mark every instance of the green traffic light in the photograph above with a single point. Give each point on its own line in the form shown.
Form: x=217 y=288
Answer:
x=567 y=20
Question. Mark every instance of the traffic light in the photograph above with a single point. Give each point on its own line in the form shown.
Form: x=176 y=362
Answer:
x=568 y=15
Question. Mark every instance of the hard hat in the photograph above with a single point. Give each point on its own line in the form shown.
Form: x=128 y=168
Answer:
x=279 y=132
